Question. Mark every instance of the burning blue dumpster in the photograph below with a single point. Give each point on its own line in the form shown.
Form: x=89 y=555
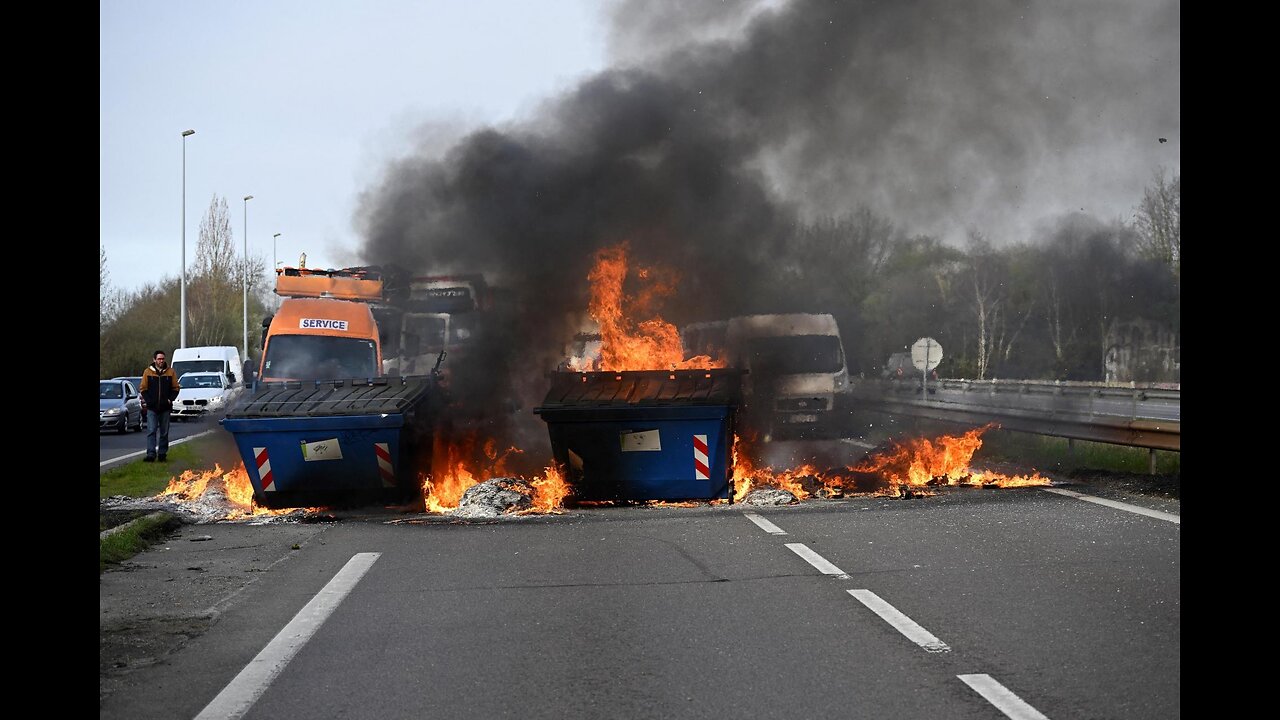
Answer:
x=644 y=434
x=335 y=441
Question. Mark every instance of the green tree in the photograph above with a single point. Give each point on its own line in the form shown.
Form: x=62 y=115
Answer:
x=912 y=295
x=148 y=321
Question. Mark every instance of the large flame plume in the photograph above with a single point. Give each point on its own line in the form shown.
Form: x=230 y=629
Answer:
x=628 y=343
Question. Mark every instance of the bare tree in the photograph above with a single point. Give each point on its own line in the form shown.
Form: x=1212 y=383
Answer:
x=215 y=283
x=104 y=290
x=112 y=301
x=987 y=280
x=1053 y=316
x=1159 y=221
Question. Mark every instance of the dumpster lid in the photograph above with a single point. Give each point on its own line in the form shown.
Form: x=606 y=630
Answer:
x=351 y=396
x=719 y=386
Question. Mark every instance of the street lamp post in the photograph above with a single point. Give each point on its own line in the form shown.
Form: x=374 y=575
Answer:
x=274 y=262
x=182 y=322
x=244 y=276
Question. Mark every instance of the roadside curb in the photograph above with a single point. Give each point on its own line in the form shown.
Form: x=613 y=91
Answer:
x=168 y=518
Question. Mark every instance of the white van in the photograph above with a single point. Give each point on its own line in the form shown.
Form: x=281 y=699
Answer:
x=208 y=358
x=797 y=380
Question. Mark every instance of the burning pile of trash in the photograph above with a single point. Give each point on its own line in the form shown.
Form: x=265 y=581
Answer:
x=205 y=496
x=471 y=478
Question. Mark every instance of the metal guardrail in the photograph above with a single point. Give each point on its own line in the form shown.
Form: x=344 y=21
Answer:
x=1122 y=414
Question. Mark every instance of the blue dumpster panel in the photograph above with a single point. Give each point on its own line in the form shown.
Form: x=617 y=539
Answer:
x=318 y=454
x=644 y=453
x=634 y=434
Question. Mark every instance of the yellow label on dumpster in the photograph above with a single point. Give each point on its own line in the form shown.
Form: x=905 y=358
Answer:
x=641 y=441
x=322 y=450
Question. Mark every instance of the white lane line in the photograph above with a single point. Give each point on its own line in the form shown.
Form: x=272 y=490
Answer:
x=900 y=622
x=764 y=524
x=1006 y=702
x=1175 y=519
x=245 y=689
x=817 y=560
x=118 y=458
x=859 y=443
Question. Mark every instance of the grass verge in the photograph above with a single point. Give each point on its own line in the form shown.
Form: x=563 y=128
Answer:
x=144 y=479
x=133 y=538
x=1055 y=453
x=138 y=479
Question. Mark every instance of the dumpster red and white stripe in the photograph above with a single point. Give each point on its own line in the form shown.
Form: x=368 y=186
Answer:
x=701 y=468
x=385 y=469
x=264 y=468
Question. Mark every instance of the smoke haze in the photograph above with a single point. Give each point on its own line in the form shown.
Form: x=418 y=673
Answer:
x=723 y=125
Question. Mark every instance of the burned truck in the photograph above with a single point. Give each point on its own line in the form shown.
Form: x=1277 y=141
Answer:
x=797 y=382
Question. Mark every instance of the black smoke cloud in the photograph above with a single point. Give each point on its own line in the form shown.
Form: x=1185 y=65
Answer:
x=940 y=115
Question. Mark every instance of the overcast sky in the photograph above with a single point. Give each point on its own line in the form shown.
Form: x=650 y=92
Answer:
x=942 y=116
x=300 y=104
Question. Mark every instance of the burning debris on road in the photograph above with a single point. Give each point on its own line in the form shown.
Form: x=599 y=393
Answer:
x=463 y=465
x=906 y=469
x=215 y=495
x=495 y=497
x=770 y=496
x=484 y=489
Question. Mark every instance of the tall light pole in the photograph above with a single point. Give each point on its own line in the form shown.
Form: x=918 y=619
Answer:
x=244 y=276
x=274 y=262
x=182 y=341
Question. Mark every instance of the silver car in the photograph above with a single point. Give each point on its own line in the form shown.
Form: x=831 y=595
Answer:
x=137 y=385
x=119 y=407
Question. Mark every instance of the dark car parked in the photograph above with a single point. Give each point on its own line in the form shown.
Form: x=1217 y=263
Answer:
x=119 y=407
x=900 y=367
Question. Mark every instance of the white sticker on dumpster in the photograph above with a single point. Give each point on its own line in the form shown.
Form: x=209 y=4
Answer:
x=640 y=441
x=322 y=450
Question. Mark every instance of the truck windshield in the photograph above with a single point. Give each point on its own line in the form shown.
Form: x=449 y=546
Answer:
x=430 y=331
x=795 y=354
x=319 y=357
x=183 y=367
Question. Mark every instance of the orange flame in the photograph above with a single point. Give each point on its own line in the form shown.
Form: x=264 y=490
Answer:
x=945 y=461
x=457 y=466
x=747 y=476
x=549 y=490
x=443 y=491
x=469 y=461
x=193 y=485
x=912 y=464
x=626 y=344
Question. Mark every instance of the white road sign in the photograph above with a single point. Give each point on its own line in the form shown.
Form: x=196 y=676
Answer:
x=926 y=354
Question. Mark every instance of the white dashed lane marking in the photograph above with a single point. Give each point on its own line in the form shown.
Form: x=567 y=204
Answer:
x=764 y=524
x=816 y=560
x=1175 y=519
x=1005 y=701
x=900 y=622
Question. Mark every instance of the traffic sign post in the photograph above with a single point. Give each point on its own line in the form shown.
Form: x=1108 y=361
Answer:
x=926 y=353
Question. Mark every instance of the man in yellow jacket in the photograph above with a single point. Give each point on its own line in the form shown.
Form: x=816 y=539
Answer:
x=158 y=389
